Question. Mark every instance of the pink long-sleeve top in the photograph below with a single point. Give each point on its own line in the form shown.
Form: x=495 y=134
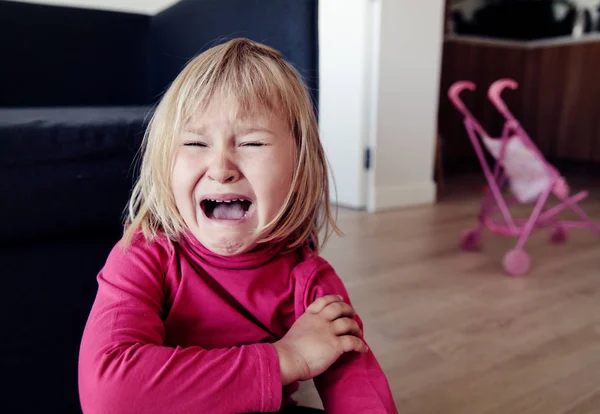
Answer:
x=177 y=329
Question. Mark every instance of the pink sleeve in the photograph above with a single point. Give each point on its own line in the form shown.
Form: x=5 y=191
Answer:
x=355 y=383
x=124 y=366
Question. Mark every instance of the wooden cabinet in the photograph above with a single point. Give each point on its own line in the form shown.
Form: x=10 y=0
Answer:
x=558 y=100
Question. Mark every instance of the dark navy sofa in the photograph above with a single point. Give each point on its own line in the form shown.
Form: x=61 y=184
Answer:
x=76 y=89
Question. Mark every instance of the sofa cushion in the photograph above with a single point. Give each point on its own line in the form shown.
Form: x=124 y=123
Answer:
x=66 y=170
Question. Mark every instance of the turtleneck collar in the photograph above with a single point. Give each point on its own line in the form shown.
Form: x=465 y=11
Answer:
x=253 y=259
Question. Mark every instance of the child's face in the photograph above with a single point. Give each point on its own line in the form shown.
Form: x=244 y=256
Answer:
x=231 y=176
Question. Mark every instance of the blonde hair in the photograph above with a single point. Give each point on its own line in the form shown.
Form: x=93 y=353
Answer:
x=253 y=75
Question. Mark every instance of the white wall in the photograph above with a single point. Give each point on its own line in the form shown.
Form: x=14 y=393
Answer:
x=345 y=46
x=133 y=6
x=379 y=84
x=410 y=52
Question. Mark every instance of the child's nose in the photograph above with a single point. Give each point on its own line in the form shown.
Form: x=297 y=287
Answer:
x=223 y=171
x=224 y=176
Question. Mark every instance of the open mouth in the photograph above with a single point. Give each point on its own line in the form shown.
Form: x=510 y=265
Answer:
x=226 y=209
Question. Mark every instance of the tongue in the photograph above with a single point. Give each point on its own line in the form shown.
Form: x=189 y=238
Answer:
x=228 y=211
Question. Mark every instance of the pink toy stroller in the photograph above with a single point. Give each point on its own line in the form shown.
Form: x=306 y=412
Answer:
x=530 y=177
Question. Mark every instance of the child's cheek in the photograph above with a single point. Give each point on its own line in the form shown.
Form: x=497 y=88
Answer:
x=185 y=172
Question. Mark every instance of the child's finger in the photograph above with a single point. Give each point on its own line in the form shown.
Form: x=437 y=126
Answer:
x=337 y=310
x=352 y=343
x=319 y=304
x=346 y=326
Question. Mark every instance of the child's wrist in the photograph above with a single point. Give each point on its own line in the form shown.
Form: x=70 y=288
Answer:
x=286 y=364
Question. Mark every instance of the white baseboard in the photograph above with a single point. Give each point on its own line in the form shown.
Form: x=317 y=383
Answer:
x=404 y=195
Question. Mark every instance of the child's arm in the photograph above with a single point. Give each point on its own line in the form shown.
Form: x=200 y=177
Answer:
x=124 y=367
x=355 y=383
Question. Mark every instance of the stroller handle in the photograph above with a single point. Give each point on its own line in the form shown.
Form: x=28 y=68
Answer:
x=454 y=95
x=494 y=94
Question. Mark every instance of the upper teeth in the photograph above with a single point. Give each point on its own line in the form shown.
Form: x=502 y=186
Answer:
x=225 y=201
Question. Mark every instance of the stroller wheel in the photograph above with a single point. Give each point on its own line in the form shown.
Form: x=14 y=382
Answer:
x=471 y=240
x=516 y=262
x=559 y=235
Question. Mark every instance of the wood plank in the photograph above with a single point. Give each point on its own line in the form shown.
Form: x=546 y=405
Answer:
x=550 y=99
x=578 y=113
x=531 y=90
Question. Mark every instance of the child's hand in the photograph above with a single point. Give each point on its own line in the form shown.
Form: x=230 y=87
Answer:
x=317 y=339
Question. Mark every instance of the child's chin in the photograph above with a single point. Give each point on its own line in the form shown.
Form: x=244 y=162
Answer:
x=228 y=246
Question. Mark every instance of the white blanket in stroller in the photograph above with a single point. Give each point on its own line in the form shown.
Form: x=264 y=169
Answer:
x=528 y=175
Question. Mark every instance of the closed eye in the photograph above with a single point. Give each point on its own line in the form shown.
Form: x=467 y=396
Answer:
x=253 y=144
x=195 y=144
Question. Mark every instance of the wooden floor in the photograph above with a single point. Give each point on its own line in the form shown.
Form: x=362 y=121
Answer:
x=453 y=332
